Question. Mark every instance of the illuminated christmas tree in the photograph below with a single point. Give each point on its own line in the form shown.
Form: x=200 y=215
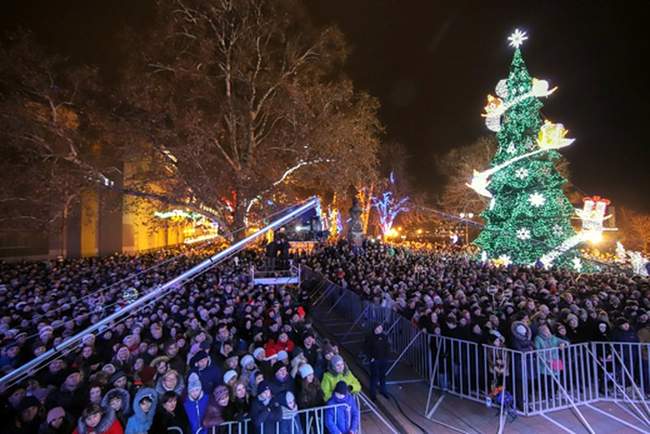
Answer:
x=528 y=217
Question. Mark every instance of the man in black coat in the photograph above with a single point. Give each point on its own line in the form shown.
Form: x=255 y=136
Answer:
x=377 y=348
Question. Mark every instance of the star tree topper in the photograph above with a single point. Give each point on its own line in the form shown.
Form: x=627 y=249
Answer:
x=517 y=38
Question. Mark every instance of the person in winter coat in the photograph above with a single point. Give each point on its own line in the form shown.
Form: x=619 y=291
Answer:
x=344 y=418
x=70 y=395
x=218 y=410
x=120 y=402
x=310 y=394
x=98 y=420
x=144 y=410
x=240 y=402
x=290 y=423
x=195 y=404
x=549 y=361
x=521 y=342
x=265 y=411
x=57 y=422
x=209 y=373
x=170 y=381
x=170 y=417
x=338 y=371
x=282 y=381
x=283 y=343
x=377 y=348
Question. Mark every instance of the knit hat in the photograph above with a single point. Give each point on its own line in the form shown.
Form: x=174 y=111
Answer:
x=341 y=388
x=116 y=376
x=277 y=367
x=55 y=413
x=520 y=329
x=220 y=392
x=263 y=387
x=258 y=352
x=109 y=368
x=283 y=355
x=336 y=359
x=198 y=357
x=305 y=370
x=193 y=382
x=246 y=360
x=27 y=402
x=229 y=375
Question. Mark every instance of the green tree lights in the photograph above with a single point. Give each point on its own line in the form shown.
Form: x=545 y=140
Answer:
x=529 y=215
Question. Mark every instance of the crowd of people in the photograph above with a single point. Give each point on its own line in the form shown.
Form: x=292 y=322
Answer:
x=451 y=294
x=455 y=295
x=218 y=349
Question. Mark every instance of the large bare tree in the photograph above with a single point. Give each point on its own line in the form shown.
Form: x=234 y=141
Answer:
x=243 y=101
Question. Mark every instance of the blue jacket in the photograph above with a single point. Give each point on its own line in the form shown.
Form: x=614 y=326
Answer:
x=265 y=414
x=342 y=419
x=140 y=422
x=195 y=411
x=210 y=377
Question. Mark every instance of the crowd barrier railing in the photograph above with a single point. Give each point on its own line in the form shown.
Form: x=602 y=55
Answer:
x=305 y=421
x=536 y=382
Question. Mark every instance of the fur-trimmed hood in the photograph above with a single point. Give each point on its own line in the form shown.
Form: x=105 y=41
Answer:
x=105 y=423
x=123 y=394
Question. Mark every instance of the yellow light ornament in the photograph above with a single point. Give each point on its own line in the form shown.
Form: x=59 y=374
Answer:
x=553 y=136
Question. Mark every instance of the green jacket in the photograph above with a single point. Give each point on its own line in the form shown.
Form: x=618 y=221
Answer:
x=330 y=380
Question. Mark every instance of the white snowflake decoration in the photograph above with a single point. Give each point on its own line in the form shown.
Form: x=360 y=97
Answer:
x=521 y=173
x=557 y=230
x=504 y=260
x=511 y=148
x=523 y=234
x=537 y=199
x=517 y=38
x=577 y=264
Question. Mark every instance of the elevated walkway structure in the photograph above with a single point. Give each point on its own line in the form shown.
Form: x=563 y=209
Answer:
x=290 y=276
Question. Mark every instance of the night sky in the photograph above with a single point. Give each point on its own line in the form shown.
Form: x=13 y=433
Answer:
x=431 y=64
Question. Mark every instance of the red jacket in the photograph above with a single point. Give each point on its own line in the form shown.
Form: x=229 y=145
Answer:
x=107 y=425
x=272 y=347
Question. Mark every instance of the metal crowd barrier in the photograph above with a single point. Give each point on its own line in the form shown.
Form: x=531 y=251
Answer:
x=306 y=421
x=536 y=382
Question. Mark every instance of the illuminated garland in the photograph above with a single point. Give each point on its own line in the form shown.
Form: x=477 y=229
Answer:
x=529 y=217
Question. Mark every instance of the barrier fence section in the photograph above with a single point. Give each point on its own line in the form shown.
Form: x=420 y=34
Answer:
x=306 y=421
x=534 y=382
x=410 y=344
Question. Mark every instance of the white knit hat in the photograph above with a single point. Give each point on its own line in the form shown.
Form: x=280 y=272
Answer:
x=229 y=375
x=305 y=370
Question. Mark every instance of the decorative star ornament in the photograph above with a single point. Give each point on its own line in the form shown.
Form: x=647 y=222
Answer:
x=517 y=38
x=523 y=234
x=521 y=173
x=537 y=199
x=503 y=260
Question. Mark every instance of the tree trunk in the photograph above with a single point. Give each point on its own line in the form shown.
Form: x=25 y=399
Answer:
x=238 y=226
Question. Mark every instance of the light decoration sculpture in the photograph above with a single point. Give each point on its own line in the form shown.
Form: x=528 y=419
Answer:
x=389 y=207
x=528 y=218
x=592 y=216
